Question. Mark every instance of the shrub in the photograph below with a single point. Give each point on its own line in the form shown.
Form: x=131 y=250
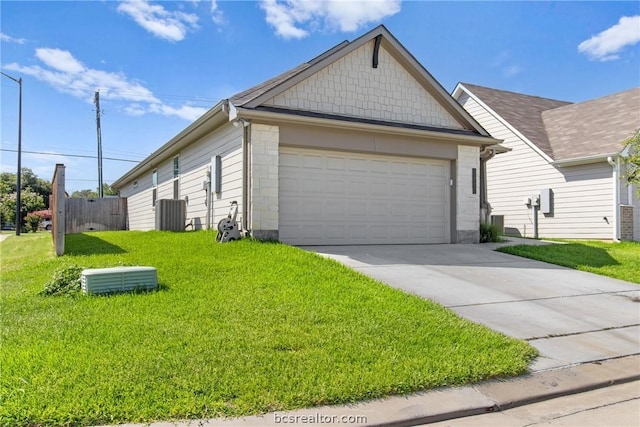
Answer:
x=489 y=233
x=65 y=281
x=32 y=221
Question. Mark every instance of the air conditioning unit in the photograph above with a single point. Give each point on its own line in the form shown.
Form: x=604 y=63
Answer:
x=118 y=279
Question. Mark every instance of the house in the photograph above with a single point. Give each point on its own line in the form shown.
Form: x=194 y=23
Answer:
x=360 y=145
x=567 y=155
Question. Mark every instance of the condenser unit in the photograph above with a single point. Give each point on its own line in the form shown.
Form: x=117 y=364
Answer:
x=118 y=279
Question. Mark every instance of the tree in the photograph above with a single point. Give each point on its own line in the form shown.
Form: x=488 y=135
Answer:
x=107 y=190
x=30 y=201
x=9 y=184
x=90 y=194
x=632 y=160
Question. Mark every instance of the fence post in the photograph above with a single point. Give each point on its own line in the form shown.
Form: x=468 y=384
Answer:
x=58 y=209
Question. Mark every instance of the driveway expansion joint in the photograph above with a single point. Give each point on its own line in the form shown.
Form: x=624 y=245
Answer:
x=614 y=293
x=568 y=334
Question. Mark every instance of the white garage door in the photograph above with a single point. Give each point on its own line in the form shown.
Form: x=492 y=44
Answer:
x=335 y=198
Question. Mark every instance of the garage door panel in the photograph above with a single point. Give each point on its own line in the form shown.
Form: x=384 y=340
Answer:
x=335 y=163
x=348 y=198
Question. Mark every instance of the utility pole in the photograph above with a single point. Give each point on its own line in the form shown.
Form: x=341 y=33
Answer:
x=96 y=100
x=19 y=174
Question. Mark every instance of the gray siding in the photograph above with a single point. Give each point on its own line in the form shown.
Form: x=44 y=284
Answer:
x=583 y=195
x=140 y=212
x=195 y=160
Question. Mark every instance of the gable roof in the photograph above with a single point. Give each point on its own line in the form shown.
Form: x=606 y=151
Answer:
x=524 y=112
x=595 y=127
x=249 y=102
x=252 y=98
x=563 y=130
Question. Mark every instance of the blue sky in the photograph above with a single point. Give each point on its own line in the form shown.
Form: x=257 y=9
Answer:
x=158 y=65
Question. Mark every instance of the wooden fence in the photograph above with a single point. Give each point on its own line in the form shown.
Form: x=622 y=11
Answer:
x=109 y=213
x=77 y=215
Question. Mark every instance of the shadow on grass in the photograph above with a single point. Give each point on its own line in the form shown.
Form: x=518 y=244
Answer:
x=162 y=287
x=573 y=255
x=83 y=244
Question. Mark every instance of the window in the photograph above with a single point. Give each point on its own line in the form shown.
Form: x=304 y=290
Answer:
x=154 y=184
x=176 y=177
x=474 y=181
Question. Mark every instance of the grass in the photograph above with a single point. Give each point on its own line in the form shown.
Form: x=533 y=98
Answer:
x=619 y=260
x=236 y=329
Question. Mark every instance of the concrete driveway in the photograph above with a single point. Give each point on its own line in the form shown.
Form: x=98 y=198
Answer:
x=569 y=316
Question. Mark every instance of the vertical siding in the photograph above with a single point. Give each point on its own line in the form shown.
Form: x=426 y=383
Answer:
x=582 y=194
x=195 y=160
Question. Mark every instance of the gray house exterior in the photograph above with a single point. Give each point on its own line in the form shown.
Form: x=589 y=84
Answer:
x=360 y=145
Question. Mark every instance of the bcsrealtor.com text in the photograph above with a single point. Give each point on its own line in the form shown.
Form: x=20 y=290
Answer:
x=319 y=418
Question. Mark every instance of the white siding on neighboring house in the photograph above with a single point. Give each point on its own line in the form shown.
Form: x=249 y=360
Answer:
x=351 y=86
x=195 y=160
x=582 y=195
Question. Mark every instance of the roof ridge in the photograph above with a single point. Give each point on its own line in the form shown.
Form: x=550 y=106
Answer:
x=589 y=101
x=517 y=93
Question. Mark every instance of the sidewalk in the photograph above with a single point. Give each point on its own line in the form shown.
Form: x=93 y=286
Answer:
x=446 y=403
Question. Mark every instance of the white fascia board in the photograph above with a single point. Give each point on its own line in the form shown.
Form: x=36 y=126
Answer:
x=460 y=87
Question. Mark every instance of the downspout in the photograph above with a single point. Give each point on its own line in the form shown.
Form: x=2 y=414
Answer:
x=485 y=208
x=246 y=176
x=208 y=197
x=615 y=164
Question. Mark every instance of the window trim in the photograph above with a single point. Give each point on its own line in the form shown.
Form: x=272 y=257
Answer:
x=176 y=177
x=154 y=186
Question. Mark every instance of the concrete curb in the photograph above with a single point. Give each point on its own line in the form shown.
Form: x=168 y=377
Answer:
x=446 y=403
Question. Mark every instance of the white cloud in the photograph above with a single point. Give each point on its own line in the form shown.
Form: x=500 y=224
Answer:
x=168 y=25
x=61 y=60
x=186 y=112
x=7 y=38
x=216 y=14
x=506 y=64
x=606 y=45
x=512 y=70
x=289 y=16
x=69 y=75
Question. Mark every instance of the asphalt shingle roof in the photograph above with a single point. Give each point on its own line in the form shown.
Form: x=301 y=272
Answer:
x=523 y=112
x=563 y=130
x=593 y=127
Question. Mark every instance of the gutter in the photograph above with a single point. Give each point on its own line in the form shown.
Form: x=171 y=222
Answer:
x=584 y=160
x=615 y=164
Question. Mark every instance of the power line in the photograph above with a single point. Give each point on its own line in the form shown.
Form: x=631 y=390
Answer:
x=71 y=155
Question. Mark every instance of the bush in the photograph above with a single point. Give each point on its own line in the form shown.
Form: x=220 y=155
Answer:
x=32 y=221
x=66 y=281
x=489 y=233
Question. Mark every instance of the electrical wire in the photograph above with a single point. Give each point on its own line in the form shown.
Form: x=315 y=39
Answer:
x=71 y=155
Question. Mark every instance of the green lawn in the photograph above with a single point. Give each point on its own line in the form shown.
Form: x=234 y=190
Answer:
x=619 y=260
x=235 y=329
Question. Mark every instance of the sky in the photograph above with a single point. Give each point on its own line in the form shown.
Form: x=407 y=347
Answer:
x=160 y=65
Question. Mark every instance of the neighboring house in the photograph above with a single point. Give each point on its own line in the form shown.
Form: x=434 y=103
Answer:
x=573 y=150
x=360 y=145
